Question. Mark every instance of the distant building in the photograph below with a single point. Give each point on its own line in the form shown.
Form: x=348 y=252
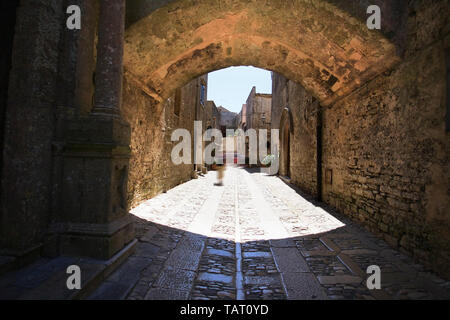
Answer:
x=256 y=114
x=258 y=110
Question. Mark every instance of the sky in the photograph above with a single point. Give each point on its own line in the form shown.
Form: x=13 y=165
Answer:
x=231 y=87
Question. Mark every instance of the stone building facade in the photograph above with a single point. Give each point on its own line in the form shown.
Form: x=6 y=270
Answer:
x=258 y=114
x=258 y=110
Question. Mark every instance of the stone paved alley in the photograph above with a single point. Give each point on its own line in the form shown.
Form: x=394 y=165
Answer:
x=257 y=238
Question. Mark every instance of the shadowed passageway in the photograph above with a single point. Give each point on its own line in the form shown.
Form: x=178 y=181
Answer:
x=256 y=238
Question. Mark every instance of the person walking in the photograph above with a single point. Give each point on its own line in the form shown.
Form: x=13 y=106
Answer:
x=220 y=174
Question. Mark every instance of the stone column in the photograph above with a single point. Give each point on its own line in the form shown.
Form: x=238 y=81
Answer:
x=109 y=73
x=93 y=190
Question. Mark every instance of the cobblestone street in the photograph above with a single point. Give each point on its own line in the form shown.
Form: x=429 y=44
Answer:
x=257 y=238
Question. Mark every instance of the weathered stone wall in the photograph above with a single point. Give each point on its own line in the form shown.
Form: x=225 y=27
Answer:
x=211 y=116
x=151 y=168
x=389 y=154
x=394 y=12
x=258 y=110
x=389 y=150
x=385 y=146
x=296 y=38
x=303 y=143
x=29 y=124
x=8 y=16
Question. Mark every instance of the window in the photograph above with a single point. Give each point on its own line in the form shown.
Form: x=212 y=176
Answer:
x=202 y=94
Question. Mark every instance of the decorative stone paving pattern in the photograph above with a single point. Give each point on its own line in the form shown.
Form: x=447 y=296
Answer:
x=261 y=277
x=215 y=276
x=291 y=248
x=176 y=209
x=300 y=217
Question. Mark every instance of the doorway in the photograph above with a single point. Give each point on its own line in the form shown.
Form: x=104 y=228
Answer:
x=286 y=149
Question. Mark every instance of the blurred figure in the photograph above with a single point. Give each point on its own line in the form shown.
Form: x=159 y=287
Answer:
x=220 y=174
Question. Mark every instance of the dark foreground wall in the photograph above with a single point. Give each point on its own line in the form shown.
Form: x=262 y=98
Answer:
x=29 y=125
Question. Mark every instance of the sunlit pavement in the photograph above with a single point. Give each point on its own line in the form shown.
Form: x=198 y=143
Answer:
x=257 y=238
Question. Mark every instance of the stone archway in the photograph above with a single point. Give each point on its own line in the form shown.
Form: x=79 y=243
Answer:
x=184 y=39
x=168 y=46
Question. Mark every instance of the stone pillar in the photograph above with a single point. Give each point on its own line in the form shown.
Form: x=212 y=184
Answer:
x=93 y=193
x=109 y=73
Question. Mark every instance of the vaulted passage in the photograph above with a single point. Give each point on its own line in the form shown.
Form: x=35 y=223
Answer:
x=361 y=116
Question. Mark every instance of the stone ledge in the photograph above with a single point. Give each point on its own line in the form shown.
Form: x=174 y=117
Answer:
x=97 y=246
x=109 y=267
x=46 y=278
x=96 y=229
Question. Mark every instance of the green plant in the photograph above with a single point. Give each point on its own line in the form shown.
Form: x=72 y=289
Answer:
x=267 y=161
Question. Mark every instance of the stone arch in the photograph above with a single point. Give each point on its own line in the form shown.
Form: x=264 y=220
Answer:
x=286 y=130
x=299 y=39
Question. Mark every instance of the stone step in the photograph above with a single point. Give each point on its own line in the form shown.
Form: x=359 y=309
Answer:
x=46 y=279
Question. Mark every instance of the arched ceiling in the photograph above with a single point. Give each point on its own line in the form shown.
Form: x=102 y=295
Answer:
x=312 y=42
